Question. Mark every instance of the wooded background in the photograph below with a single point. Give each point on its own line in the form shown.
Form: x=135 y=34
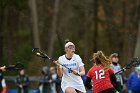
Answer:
x=92 y=25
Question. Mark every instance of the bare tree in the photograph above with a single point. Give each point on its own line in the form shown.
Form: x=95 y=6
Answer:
x=34 y=22
x=95 y=35
x=54 y=26
x=137 y=53
x=36 y=36
x=137 y=47
x=1 y=33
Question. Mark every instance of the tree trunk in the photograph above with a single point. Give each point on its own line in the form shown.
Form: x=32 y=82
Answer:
x=95 y=35
x=86 y=42
x=137 y=45
x=111 y=25
x=1 y=34
x=123 y=42
x=34 y=23
x=34 y=67
x=137 y=53
x=11 y=29
x=54 y=26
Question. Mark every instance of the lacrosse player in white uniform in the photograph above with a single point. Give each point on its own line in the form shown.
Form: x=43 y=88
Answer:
x=71 y=81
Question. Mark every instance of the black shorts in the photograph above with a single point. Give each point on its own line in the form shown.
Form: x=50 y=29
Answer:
x=109 y=90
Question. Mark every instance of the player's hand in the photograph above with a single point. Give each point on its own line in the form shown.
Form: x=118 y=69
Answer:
x=57 y=63
x=76 y=73
x=117 y=92
x=20 y=86
x=3 y=68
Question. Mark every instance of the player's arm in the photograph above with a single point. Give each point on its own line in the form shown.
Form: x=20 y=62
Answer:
x=81 y=71
x=2 y=68
x=114 y=82
x=59 y=69
x=87 y=83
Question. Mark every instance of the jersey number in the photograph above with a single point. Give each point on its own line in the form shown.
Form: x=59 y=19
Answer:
x=69 y=70
x=99 y=74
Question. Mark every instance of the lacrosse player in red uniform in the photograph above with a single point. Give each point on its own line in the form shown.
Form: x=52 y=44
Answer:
x=102 y=76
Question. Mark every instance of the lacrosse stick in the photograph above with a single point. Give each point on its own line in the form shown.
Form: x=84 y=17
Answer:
x=37 y=52
x=17 y=66
x=133 y=63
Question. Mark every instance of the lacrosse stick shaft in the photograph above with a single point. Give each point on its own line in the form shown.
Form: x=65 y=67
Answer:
x=39 y=53
x=120 y=71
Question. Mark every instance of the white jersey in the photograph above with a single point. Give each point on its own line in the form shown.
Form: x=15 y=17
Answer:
x=68 y=78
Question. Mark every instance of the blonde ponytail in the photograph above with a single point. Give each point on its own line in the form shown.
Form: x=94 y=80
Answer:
x=99 y=57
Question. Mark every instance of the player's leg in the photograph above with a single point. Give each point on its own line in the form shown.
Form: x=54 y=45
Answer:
x=70 y=90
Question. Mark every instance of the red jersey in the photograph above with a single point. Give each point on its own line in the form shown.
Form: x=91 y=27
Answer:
x=100 y=78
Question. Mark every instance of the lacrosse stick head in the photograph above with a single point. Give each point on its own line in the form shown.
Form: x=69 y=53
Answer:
x=17 y=66
x=37 y=52
x=135 y=62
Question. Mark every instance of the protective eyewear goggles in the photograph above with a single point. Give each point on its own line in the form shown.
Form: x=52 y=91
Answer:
x=71 y=47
